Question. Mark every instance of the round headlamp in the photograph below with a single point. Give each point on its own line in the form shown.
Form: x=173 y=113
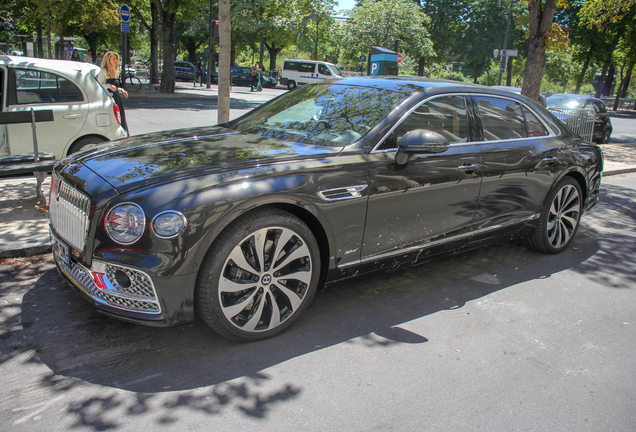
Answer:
x=169 y=224
x=125 y=223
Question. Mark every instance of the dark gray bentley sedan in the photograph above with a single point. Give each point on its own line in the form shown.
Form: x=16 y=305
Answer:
x=241 y=222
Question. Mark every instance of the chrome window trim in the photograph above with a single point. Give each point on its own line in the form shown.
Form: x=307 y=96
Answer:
x=426 y=245
x=551 y=132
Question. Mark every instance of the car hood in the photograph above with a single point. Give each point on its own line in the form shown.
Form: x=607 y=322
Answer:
x=140 y=160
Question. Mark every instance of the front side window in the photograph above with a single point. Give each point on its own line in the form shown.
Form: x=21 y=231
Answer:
x=325 y=115
x=41 y=87
x=323 y=69
x=445 y=115
x=501 y=118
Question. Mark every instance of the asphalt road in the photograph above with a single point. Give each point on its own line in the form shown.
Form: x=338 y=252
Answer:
x=499 y=339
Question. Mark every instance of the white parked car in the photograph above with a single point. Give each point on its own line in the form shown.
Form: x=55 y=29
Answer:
x=84 y=113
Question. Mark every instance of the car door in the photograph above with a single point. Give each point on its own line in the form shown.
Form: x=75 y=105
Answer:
x=39 y=89
x=434 y=196
x=519 y=161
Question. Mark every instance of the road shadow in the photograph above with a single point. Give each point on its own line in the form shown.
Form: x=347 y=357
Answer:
x=80 y=345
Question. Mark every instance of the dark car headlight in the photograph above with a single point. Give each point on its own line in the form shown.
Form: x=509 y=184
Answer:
x=169 y=224
x=125 y=223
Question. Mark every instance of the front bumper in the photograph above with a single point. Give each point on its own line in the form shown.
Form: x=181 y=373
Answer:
x=126 y=293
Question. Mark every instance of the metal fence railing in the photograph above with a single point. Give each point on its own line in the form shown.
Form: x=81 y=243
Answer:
x=580 y=121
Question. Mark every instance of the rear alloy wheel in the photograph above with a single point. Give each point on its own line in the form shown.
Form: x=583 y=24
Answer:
x=259 y=275
x=559 y=218
x=291 y=85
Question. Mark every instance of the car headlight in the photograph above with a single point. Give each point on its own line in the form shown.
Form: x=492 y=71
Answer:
x=169 y=224
x=125 y=223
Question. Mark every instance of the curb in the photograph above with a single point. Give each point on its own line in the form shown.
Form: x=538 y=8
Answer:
x=621 y=170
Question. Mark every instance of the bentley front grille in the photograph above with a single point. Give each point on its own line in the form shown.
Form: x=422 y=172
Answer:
x=69 y=212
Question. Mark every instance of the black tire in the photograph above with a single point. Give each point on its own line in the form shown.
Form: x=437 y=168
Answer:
x=83 y=142
x=559 y=218
x=132 y=84
x=250 y=300
x=291 y=85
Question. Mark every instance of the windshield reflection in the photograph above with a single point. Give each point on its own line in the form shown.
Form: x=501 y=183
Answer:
x=333 y=115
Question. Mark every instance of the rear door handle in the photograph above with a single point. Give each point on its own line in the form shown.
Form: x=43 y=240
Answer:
x=550 y=160
x=72 y=116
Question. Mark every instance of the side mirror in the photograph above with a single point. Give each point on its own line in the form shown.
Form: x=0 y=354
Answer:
x=420 y=141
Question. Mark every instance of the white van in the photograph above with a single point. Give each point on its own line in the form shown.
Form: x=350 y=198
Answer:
x=297 y=72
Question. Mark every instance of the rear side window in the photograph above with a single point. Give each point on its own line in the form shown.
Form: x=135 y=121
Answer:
x=290 y=66
x=534 y=127
x=33 y=87
x=501 y=118
x=306 y=67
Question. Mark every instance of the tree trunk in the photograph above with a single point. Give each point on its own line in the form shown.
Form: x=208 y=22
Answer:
x=261 y=47
x=540 y=17
x=167 y=11
x=586 y=64
x=273 y=54
x=225 y=46
x=420 y=66
x=39 y=42
x=154 y=44
x=608 y=59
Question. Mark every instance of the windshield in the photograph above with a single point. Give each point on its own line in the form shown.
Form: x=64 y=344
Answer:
x=322 y=114
x=336 y=70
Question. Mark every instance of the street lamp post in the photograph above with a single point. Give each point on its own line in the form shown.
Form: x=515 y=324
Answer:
x=504 y=57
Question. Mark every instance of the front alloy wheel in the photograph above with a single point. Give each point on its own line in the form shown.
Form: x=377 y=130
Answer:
x=259 y=276
x=559 y=219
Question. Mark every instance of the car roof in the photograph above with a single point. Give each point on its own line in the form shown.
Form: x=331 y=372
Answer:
x=63 y=66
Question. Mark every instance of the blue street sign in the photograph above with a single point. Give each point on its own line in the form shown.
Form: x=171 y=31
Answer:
x=124 y=14
x=125 y=27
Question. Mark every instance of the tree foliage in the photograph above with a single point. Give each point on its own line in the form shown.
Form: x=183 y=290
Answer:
x=383 y=22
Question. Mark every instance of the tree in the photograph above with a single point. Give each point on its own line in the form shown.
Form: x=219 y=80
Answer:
x=316 y=21
x=225 y=42
x=383 y=22
x=541 y=15
x=485 y=30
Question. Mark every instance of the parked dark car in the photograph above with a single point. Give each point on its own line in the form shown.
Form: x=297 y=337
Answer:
x=242 y=221
x=186 y=71
x=242 y=76
x=602 y=123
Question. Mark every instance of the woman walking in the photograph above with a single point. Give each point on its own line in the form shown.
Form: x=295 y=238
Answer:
x=108 y=76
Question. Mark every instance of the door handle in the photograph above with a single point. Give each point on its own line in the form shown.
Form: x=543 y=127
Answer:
x=468 y=169
x=550 y=160
x=72 y=116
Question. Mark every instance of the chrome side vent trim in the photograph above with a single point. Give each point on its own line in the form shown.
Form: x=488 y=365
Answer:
x=342 y=193
x=69 y=212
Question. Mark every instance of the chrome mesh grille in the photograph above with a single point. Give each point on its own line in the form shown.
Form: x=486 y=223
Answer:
x=69 y=212
x=140 y=296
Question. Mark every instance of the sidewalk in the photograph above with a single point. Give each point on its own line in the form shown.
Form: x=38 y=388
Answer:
x=24 y=230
